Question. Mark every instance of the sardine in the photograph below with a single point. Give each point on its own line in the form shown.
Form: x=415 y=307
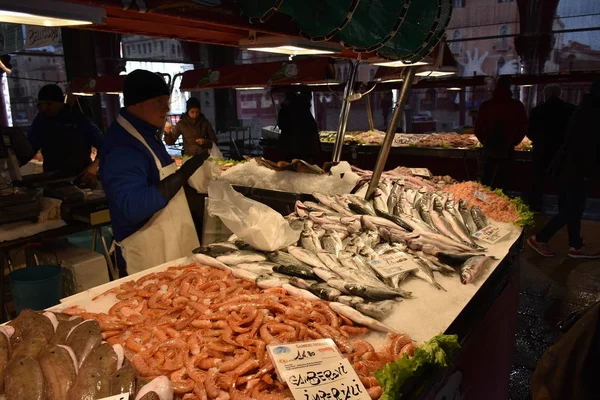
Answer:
x=324 y=291
x=241 y=256
x=294 y=291
x=375 y=293
x=325 y=274
x=425 y=273
x=351 y=301
x=294 y=270
x=378 y=309
x=479 y=217
x=359 y=318
x=306 y=257
x=463 y=209
x=472 y=268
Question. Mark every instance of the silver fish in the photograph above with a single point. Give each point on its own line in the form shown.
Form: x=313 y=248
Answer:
x=306 y=257
x=301 y=283
x=216 y=249
x=241 y=256
x=332 y=203
x=441 y=223
x=302 y=293
x=332 y=243
x=457 y=225
x=463 y=209
x=393 y=198
x=376 y=293
x=203 y=259
x=244 y=274
x=435 y=264
x=472 y=268
x=312 y=206
x=398 y=221
x=380 y=201
x=351 y=301
x=368 y=253
x=294 y=270
x=378 y=309
x=338 y=284
x=281 y=258
x=396 y=280
x=269 y=281
x=424 y=272
x=443 y=242
x=362 y=203
x=310 y=241
x=324 y=291
x=325 y=274
x=257 y=268
x=359 y=318
x=479 y=217
x=329 y=260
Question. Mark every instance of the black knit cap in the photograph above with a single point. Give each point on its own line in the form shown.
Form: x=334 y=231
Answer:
x=141 y=85
x=51 y=93
x=192 y=103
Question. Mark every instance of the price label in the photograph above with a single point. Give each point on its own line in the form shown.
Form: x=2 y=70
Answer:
x=421 y=172
x=481 y=196
x=392 y=264
x=122 y=396
x=491 y=234
x=292 y=356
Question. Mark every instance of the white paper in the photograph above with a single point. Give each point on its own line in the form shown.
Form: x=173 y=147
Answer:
x=391 y=264
x=491 y=234
x=421 y=172
x=309 y=354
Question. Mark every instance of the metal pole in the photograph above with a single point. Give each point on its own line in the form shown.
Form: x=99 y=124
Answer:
x=391 y=131
x=370 y=112
x=344 y=113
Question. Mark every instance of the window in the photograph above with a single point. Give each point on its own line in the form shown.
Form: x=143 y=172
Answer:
x=500 y=64
x=173 y=49
x=155 y=45
x=162 y=46
x=459 y=3
x=455 y=47
x=503 y=44
x=139 y=47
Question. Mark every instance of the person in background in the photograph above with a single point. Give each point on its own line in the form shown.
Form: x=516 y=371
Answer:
x=198 y=134
x=574 y=167
x=65 y=137
x=501 y=124
x=151 y=218
x=387 y=103
x=299 y=137
x=548 y=123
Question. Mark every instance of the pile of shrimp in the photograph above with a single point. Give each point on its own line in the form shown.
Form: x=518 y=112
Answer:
x=208 y=332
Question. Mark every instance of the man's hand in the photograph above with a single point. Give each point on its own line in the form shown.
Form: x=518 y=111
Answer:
x=89 y=179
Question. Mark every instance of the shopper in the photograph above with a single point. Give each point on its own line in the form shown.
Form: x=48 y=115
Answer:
x=65 y=137
x=151 y=218
x=198 y=134
x=299 y=137
x=575 y=166
x=387 y=103
x=501 y=124
x=548 y=125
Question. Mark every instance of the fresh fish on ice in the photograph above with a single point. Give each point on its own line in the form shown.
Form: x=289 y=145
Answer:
x=479 y=217
x=306 y=257
x=241 y=256
x=425 y=273
x=359 y=318
x=325 y=274
x=376 y=293
x=377 y=309
x=294 y=270
x=310 y=241
x=301 y=283
x=351 y=301
x=463 y=209
x=472 y=268
x=330 y=261
x=324 y=291
x=270 y=281
x=281 y=258
x=294 y=291
x=332 y=243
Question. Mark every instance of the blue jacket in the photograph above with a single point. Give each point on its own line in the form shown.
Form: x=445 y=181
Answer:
x=129 y=175
x=66 y=141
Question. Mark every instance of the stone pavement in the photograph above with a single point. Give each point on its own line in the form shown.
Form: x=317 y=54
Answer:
x=550 y=289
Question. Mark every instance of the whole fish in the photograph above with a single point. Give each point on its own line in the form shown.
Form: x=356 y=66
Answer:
x=332 y=203
x=423 y=209
x=294 y=291
x=269 y=281
x=329 y=260
x=24 y=379
x=368 y=253
x=295 y=222
x=443 y=242
x=241 y=256
x=436 y=264
x=479 y=217
x=306 y=257
x=463 y=209
x=377 y=309
x=325 y=274
x=397 y=279
x=457 y=225
x=324 y=291
x=332 y=243
x=354 y=245
x=295 y=270
x=454 y=259
x=379 y=201
x=302 y=283
x=425 y=273
x=472 y=268
x=216 y=249
x=351 y=301
x=312 y=206
x=204 y=259
x=360 y=205
x=393 y=199
x=370 y=238
x=338 y=284
x=375 y=293
x=359 y=318
x=441 y=223
x=282 y=258
x=244 y=274
x=396 y=220
x=386 y=187
x=257 y=268
x=310 y=241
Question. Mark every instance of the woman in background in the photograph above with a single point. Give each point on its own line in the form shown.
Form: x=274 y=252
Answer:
x=198 y=134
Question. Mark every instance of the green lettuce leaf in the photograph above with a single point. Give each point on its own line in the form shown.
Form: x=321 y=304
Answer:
x=438 y=352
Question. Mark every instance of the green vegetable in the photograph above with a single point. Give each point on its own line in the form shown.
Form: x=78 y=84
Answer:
x=438 y=352
x=226 y=162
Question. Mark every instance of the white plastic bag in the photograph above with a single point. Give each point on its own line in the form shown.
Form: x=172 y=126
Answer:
x=215 y=152
x=208 y=171
x=255 y=223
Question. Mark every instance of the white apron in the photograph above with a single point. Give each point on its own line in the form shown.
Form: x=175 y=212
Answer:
x=170 y=233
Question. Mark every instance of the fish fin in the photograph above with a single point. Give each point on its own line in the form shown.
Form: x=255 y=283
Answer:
x=439 y=287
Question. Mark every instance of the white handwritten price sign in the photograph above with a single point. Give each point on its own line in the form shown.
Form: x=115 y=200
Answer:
x=122 y=396
x=392 y=264
x=316 y=370
x=491 y=234
x=421 y=172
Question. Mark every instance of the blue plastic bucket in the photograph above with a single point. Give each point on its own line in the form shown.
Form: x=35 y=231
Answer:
x=36 y=287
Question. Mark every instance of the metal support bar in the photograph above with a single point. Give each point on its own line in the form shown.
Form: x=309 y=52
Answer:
x=391 y=132
x=370 y=112
x=344 y=113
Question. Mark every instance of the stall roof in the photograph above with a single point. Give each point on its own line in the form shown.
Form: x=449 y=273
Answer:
x=98 y=84
x=308 y=70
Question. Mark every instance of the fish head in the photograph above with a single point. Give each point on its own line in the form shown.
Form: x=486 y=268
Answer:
x=437 y=204
x=462 y=204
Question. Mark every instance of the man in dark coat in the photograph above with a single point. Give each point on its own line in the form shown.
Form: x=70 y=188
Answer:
x=548 y=125
x=501 y=124
x=575 y=166
x=299 y=132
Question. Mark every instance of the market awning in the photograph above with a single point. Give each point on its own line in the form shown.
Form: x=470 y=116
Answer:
x=310 y=70
x=110 y=84
x=448 y=60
